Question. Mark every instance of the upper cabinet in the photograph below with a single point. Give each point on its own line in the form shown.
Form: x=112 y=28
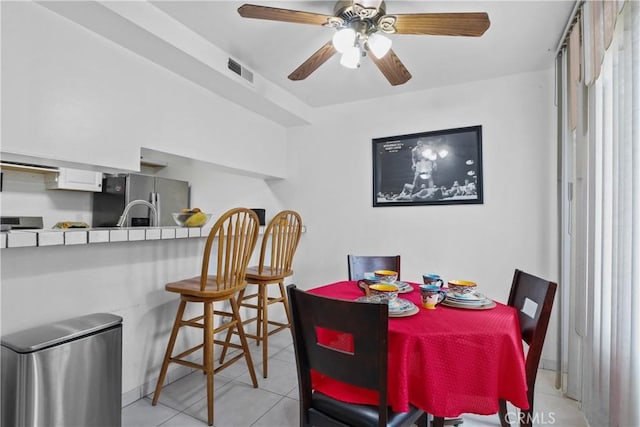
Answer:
x=74 y=179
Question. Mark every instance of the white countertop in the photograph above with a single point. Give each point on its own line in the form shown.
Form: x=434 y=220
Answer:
x=84 y=236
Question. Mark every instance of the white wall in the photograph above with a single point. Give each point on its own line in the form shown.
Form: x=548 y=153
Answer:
x=330 y=181
x=71 y=95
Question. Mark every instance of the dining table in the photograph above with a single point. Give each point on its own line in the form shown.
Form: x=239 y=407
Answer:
x=447 y=362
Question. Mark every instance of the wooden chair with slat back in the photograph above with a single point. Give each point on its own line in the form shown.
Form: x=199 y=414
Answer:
x=279 y=244
x=360 y=264
x=533 y=298
x=234 y=236
x=365 y=365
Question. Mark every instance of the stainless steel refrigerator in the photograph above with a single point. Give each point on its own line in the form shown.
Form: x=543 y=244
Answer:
x=167 y=195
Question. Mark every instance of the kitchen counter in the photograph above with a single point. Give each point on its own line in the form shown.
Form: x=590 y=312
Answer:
x=84 y=236
x=58 y=237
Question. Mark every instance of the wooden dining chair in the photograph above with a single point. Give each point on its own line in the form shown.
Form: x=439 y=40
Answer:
x=234 y=236
x=364 y=365
x=360 y=264
x=533 y=298
x=279 y=245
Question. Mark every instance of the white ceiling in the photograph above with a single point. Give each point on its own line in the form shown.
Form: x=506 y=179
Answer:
x=522 y=37
x=195 y=39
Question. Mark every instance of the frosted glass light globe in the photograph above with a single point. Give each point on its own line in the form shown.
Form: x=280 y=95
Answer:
x=378 y=44
x=344 y=39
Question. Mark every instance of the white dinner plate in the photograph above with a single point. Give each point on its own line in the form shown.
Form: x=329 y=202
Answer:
x=471 y=297
x=401 y=308
x=414 y=310
x=403 y=287
x=484 y=305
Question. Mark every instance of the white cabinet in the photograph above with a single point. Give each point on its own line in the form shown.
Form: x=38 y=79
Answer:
x=75 y=179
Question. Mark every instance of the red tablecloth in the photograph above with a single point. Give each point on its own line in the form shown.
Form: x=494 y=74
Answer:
x=447 y=361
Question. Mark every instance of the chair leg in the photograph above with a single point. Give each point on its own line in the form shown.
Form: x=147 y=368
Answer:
x=259 y=312
x=423 y=421
x=504 y=416
x=169 y=351
x=227 y=339
x=441 y=421
x=264 y=297
x=243 y=341
x=285 y=302
x=526 y=416
x=437 y=422
x=208 y=357
x=225 y=347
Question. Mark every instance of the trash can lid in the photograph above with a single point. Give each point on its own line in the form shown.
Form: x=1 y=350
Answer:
x=44 y=336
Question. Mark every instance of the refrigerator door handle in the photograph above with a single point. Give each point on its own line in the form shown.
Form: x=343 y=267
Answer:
x=156 y=202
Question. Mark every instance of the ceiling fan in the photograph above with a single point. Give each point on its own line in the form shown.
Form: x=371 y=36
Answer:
x=361 y=25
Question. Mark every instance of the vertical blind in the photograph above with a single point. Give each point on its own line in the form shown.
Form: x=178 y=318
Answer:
x=602 y=102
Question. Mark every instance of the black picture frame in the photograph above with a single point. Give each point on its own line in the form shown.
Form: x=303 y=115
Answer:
x=441 y=167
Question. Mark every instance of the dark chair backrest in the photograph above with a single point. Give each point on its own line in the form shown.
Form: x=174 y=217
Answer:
x=533 y=298
x=359 y=264
x=365 y=365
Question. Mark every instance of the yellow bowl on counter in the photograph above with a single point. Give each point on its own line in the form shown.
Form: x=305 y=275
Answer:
x=191 y=219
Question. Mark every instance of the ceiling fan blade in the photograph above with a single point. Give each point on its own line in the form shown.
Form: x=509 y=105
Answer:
x=472 y=24
x=392 y=68
x=285 y=15
x=316 y=60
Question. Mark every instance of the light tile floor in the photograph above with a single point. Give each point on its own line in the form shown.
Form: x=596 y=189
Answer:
x=275 y=402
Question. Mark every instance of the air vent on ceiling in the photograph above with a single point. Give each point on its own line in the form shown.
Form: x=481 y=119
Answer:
x=240 y=70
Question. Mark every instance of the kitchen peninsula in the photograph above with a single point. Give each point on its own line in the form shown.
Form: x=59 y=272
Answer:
x=38 y=238
x=44 y=284
x=32 y=238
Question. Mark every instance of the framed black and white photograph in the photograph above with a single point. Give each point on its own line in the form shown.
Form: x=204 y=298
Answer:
x=431 y=168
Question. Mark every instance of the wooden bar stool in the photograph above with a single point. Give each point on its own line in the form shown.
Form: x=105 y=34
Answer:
x=235 y=234
x=279 y=244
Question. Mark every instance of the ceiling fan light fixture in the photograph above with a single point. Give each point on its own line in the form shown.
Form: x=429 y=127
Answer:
x=371 y=4
x=344 y=39
x=358 y=23
x=351 y=58
x=378 y=44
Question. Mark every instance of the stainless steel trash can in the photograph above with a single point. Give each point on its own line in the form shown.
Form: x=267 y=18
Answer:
x=64 y=374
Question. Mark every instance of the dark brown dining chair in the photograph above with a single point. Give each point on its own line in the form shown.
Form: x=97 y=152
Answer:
x=527 y=289
x=360 y=264
x=234 y=237
x=533 y=298
x=365 y=366
x=279 y=244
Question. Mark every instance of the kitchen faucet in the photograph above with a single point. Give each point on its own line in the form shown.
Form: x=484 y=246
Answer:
x=123 y=217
